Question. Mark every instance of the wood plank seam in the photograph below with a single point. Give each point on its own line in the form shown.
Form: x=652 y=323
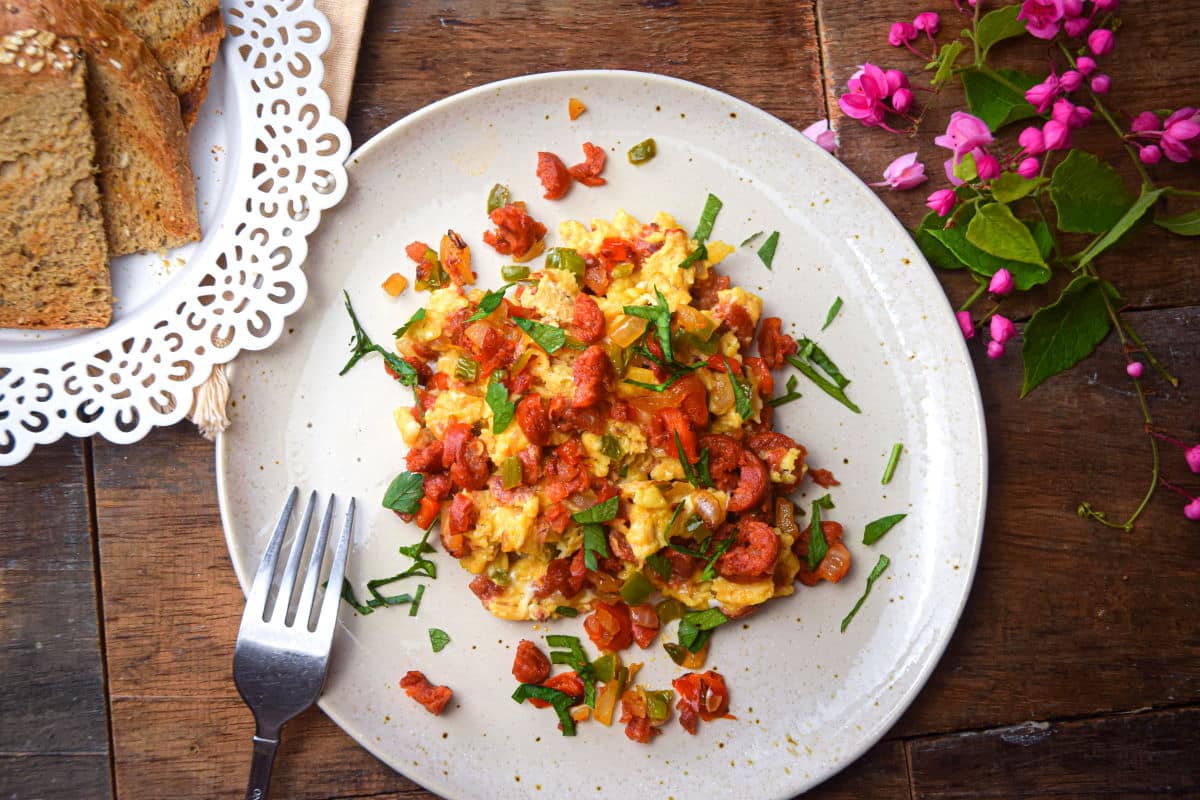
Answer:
x=826 y=79
x=908 y=771
x=97 y=586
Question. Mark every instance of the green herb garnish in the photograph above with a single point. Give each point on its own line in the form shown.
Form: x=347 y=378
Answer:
x=566 y=611
x=498 y=197
x=792 y=394
x=404 y=493
x=417 y=316
x=636 y=589
x=489 y=303
x=595 y=545
x=416 y=602
x=601 y=512
x=696 y=474
x=875 y=530
x=502 y=408
x=547 y=337
x=659 y=564
x=741 y=394
x=712 y=207
x=642 y=152
x=880 y=566
x=817 y=546
x=352 y=599
x=893 y=459
x=656 y=387
x=576 y=659
x=438 y=638
x=361 y=344
x=699 y=254
x=766 y=253
x=466 y=370
x=833 y=312
x=560 y=701
x=709 y=571
x=824 y=384
x=750 y=239
x=659 y=315
x=610 y=446
x=696 y=627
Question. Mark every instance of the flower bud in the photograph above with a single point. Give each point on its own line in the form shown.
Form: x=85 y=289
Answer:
x=965 y=324
x=1101 y=84
x=987 y=167
x=1150 y=154
x=1080 y=117
x=1072 y=8
x=1192 y=509
x=1100 y=41
x=926 y=21
x=1145 y=122
x=1029 y=167
x=1056 y=135
x=895 y=80
x=901 y=33
x=941 y=202
x=1001 y=283
x=1075 y=26
x=902 y=100
x=1062 y=111
x=1106 y=5
x=1031 y=139
x=1192 y=456
x=1071 y=80
x=995 y=349
x=1085 y=64
x=1002 y=328
x=1134 y=369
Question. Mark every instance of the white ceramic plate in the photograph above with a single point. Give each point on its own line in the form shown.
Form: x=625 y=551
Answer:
x=808 y=699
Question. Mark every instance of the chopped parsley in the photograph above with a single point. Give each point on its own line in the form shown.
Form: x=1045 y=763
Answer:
x=750 y=239
x=880 y=566
x=438 y=639
x=833 y=312
x=792 y=394
x=659 y=315
x=576 y=659
x=490 y=302
x=656 y=387
x=420 y=566
x=817 y=546
x=566 y=611
x=547 y=337
x=696 y=627
x=741 y=393
x=416 y=601
x=696 y=474
x=699 y=254
x=659 y=564
x=875 y=530
x=712 y=207
x=404 y=493
x=417 y=316
x=361 y=344
x=893 y=459
x=766 y=253
x=601 y=512
x=595 y=543
x=502 y=407
x=709 y=571
x=560 y=701
x=809 y=360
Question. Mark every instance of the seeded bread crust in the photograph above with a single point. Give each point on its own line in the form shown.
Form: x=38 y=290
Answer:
x=53 y=259
x=147 y=190
x=184 y=36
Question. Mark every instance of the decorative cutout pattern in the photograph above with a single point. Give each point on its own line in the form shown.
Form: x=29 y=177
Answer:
x=125 y=380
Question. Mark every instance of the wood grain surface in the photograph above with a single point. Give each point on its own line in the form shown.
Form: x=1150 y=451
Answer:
x=1075 y=671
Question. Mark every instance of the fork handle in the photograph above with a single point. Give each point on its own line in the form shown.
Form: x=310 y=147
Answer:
x=260 y=767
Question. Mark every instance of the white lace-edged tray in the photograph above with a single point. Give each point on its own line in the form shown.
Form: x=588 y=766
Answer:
x=268 y=159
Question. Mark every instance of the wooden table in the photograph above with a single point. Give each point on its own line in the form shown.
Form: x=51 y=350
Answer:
x=1075 y=671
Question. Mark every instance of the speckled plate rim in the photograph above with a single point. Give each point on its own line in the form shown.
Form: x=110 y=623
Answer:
x=870 y=204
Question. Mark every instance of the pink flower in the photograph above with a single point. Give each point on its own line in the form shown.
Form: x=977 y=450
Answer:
x=995 y=349
x=1101 y=84
x=1071 y=80
x=1042 y=18
x=869 y=80
x=1179 y=129
x=864 y=102
x=901 y=33
x=903 y=173
x=1100 y=41
x=941 y=202
x=1150 y=154
x=926 y=21
x=1145 y=121
x=1106 y=5
x=1192 y=509
x=1134 y=369
x=1072 y=8
x=1002 y=328
x=1062 y=111
x=895 y=79
x=1085 y=64
x=1075 y=27
x=1056 y=135
x=822 y=134
x=963 y=134
x=1031 y=139
x=1029 y=167
x=902 y=100
x=1080 y=117
x=1042 y=95
x=1002 y=283
x=987 y=167
x=964 y=320
x=862 y=108
x=1192 y=456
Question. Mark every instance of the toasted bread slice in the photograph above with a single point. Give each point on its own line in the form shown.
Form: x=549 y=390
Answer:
x=53 y=259
x=147 y=192
x=184 y=36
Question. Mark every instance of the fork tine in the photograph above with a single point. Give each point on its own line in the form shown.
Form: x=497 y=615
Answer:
x=256 y=600
x=304 y=605
x=287 y=581
x=329 y=604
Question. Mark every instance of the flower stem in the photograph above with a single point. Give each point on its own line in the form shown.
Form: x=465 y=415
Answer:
x=1154 y=362
x=974 y=296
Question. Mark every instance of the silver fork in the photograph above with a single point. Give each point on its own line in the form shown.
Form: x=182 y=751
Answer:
x=282 y=651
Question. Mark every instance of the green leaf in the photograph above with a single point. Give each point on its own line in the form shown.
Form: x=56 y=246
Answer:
x=997 y=26
x=601 y=512
x=944 y=62
x=502 y=408
x=965 y=170
x=880 y=567
x=594 y=541
x=1010 y=186
x=548 y=337
x=954 y=240
x=875 y=530
x=712 y=207
x=741 y=394
x=1061 y=335
x=818 y=547
x=1089 y=195
x=833 y=312
x=438 y=638
x=699 y=254
x=490 y=302
x=1128 y=221
x=766 y=253
x=404 y=493
x=750 y=239
x=659 y=564
x=417 y=316
x=1186 y=224
x=995 y=230
x=936 y=253
x=998 y=96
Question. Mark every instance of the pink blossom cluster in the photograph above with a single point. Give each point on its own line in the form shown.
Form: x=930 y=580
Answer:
x=903 y=34
x=1000 y=328
x=965 y=135
x=873 y=93
x=1045 y=18
x=1177 y=137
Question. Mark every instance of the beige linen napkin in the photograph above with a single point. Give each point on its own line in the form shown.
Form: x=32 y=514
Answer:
x=346 y=16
